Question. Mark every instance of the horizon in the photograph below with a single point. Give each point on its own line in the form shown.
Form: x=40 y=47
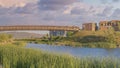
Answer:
x=57 y=12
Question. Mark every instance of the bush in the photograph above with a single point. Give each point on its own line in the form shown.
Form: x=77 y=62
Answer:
x=5 y=37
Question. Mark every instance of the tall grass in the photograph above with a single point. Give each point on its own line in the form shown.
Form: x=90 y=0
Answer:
x=16 y=57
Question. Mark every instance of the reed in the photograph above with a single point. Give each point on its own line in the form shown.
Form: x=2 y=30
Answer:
x=17 y=57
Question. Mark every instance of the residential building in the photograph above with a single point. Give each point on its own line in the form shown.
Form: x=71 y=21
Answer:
x=89 y=26
x=104 y=25
x=115 y=24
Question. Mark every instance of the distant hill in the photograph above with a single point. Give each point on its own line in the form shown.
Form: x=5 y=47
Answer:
x=25 y=35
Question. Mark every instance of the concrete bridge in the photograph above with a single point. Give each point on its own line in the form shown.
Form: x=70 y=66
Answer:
x=54 y=30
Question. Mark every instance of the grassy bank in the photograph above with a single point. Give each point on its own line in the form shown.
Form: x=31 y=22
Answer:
x=6 y=39
x=15 y=57
x=73 y=43
x=93 y=39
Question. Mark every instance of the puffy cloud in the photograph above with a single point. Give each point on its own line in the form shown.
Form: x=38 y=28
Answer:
x=116 y=0
x=106 y=12
x=81 y=12
x=28 y=9
x=104 y=1
x=67 y=12
x=78 y=8
x=54 y=4
x=3 y=10
x=116 y=13
x=109 y=1
x=82 y=9
x=15 y=3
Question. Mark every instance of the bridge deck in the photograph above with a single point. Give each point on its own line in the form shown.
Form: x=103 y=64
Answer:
x=38 y=27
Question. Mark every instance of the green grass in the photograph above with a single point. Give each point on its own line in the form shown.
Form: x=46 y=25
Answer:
x=16 y=57
x=92 y=39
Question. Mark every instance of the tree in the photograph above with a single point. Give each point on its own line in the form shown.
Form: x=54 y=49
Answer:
x=110 y=34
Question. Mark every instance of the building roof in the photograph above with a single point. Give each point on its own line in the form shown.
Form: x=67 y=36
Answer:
x=88 y=23
x=104 y=21
x=115 y=21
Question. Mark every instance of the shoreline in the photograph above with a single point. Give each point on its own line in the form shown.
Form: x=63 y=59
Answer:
x=77 y=44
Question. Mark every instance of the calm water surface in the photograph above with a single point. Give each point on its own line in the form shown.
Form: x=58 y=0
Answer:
x=77 y=51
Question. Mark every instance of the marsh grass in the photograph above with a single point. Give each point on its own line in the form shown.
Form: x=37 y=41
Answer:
x=16 y=57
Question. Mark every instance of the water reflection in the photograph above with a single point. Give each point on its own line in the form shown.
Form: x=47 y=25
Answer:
x=76 y=51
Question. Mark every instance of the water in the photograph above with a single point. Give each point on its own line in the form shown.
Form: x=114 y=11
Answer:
x=77 y=51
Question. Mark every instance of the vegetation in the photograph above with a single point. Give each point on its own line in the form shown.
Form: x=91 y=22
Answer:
x=102 y=39
x=16 y=57
x=5 y=38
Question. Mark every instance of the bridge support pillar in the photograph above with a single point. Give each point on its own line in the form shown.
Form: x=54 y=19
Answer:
x=58 y=33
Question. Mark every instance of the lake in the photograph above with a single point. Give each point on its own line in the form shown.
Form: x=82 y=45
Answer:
x=77 y=51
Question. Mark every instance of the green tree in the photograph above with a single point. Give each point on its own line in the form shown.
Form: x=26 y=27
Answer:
x=110 y=34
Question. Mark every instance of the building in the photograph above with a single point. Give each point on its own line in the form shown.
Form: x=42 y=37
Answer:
x=104 y=25
x=115 y=24
x=89 y=26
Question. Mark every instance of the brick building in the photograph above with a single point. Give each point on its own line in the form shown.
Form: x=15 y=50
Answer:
x=104 y=25
x=89 y=26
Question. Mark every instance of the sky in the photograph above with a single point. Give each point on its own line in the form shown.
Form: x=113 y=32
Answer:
x=57 y=12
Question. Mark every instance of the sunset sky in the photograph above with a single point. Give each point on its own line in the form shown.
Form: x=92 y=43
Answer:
x=57 y=12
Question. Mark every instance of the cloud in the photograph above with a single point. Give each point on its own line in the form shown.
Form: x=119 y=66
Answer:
x=115 y=0
x=66 y=12
x=76 y=8
x=3 y=10
x=54 y=4
x=15 y=3
x=104 y=1
x=28 y=9
x=82 y=9
x=107 y=11
x=116 y=13
x=81 y=13
x=6 y=11
x=108 y=1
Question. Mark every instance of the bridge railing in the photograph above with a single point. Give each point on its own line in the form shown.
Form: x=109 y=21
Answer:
x=65 y=28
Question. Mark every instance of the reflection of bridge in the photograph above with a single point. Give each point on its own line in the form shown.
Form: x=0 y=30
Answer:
x=54 y=30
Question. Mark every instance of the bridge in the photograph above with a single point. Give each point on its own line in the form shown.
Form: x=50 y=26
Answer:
x=54 y=30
